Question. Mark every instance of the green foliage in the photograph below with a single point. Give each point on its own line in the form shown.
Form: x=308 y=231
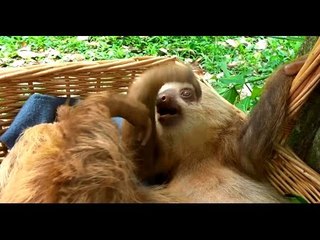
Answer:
x=237 y=65
x=295 y=198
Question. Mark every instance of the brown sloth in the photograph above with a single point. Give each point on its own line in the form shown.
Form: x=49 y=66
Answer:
x=206 y=149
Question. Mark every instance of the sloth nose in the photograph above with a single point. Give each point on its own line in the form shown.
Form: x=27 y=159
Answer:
x=166 y=97
x=167 y=103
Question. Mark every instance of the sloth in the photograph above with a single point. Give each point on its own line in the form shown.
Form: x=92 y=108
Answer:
x=204 y=149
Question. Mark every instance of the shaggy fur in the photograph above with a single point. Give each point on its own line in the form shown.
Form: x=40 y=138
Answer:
x=78 y=159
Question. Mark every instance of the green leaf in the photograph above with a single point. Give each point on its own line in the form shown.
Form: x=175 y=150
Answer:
x=220 y=88
x=256 y=92
x=224 y=68
x=295 y=198
x=231 y=95
x=244 y=104
x=237 y=80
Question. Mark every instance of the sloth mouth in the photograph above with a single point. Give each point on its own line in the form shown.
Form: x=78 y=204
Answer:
x=168 y=115
x=167 y=111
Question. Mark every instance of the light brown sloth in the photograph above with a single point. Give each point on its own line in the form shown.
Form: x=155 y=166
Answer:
x=175 y=127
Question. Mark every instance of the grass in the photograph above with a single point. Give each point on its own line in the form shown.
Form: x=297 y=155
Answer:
x=236 y=65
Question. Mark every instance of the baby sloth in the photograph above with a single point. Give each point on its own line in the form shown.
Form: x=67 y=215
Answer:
x=206 y=149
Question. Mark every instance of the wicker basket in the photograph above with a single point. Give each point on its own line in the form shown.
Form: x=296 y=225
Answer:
x=66 y=80
x=286 y=171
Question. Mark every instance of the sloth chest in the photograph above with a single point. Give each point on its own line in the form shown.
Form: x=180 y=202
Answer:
x=214 y=185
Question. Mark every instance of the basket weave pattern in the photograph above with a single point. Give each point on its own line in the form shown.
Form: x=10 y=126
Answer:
x=66 y=80
x=286 y=171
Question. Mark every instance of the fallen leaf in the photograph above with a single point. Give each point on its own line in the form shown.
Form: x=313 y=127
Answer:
x=207 y=76
x=26 y=52
x=234 y=64
x=188 y=60
x=51 y=53
x=130 y=49
x=78 y=57
x=31 y=62
x=163 y=50
x=245 y=91
x=222 y=44
x=47 y=60
x=94 y=44
x=232 y=43
x=82 y=38
x=185 y=50
x=243 y=41
x=17 y=63
x=220 y=75
x=261 y=44
x=73 y=57
x=5 y=61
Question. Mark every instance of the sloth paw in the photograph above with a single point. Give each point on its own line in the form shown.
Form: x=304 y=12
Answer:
x=294 y=67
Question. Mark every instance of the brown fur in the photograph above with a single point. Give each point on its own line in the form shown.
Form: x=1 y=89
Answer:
x=77 y=159
x=267 y=119
x=145 y=89
x=213 y=153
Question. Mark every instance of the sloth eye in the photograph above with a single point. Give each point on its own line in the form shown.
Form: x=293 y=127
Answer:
x=186 y=93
